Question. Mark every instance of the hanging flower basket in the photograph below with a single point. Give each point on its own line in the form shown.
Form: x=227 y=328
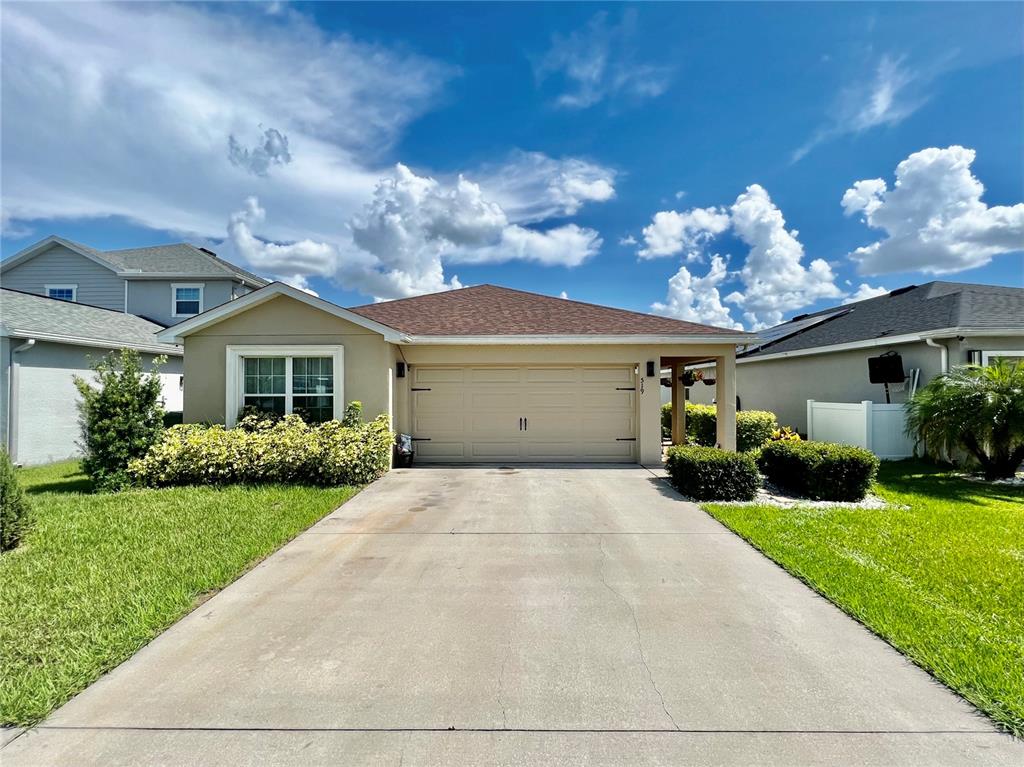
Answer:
x=708 y=381
x=690 y=377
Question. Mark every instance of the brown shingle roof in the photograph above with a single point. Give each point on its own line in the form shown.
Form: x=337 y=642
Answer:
x=489 y=310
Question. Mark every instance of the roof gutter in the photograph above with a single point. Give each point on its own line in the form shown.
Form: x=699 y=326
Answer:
x=96 y=343
x=870 y=343
x=576 y=340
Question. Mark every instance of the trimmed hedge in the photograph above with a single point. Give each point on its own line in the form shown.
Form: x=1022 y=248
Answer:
x=822 y=471
x=260 y=451
x=753 y=427
x=710 y=474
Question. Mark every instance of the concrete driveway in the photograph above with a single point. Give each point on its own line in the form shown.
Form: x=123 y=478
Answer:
x=516 y=616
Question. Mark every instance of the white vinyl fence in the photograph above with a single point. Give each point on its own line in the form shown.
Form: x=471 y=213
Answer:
x=879 y=428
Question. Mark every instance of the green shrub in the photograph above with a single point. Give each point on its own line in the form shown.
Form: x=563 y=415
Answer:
x=121 y=419
x=13 y=506
x=286 y=450
x=173 y=418
x=753 y=427
x=819 y=470
x=353 y=415
x=666 y=420
x=710 y=474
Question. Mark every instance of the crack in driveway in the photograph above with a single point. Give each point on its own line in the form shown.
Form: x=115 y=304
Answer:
x=636 y=627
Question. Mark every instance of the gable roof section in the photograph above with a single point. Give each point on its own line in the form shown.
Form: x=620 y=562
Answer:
x=26 y=315
x=175 y=260
x=176 y=333
x=489 y=310
x=931 y=308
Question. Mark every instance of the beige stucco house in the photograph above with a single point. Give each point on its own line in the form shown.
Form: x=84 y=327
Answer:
x=824 y=356
x=481 y=374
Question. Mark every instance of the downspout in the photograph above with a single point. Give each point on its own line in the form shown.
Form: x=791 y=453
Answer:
x=943 y=354
x=12 y=401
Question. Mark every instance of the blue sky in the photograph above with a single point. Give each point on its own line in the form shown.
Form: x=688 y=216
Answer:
x=734 y=164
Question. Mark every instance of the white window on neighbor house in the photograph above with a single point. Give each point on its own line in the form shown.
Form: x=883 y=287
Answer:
x=63 y=292
x=988 y=357
x=186 y=299
x=307 y=380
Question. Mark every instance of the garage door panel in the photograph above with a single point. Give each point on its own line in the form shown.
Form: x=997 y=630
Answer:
x=496 y=451
x=622 y=376
x=440 y=450
x=549 y=400
x=504 y=400
x=552 y=375
x=613 y=426
x=438 y=401
x=422 y=375
x=495 y=375
x=608 y=400
x=439 y=424
x=494 y=425
x=611 y=450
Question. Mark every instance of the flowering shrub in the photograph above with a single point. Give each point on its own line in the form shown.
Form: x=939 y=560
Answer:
x=785 y=434
x=287 y=450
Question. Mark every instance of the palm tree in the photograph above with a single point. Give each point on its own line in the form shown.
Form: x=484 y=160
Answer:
x=980 y=409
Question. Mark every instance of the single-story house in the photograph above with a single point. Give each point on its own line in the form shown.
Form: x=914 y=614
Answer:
x=824 y=355
x=480 y=374
x=44 y=343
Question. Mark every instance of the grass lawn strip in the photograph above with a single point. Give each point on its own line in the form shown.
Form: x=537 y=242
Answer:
x=99 y=576
x=939 y=574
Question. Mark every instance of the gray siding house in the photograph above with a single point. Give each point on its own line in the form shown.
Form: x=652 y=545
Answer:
x=163 y=283
x=44 y=344
x=823 y=356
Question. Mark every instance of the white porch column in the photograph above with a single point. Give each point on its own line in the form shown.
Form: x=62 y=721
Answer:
x=725 y=397
x=649 y=393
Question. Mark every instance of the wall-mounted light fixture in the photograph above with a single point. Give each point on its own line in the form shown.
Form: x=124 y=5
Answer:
x=400 y=370
x=650 y=369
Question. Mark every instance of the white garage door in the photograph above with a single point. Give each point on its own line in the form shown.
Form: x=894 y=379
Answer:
x=507 y=414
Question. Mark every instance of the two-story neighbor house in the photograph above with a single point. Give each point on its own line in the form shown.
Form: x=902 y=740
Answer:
x=163 y=283
x=64 y=304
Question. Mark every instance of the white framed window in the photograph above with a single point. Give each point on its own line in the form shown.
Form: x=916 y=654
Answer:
x=63 y=292
x=988 y=357
x=285 y=379
x=186 y=299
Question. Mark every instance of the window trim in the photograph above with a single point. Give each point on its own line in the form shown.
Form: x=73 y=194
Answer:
x=174 y=297
x=989 y=354
x=62 y=286
x=235 y=374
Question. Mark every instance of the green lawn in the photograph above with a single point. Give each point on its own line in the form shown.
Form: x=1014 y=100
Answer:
x=98 y=576
x=942 y=580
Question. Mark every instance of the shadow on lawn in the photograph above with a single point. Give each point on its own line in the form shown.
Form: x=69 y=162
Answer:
x=917 y=477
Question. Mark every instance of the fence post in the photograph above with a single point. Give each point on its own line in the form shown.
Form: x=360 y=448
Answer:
x=810 y=419
x=869 y=412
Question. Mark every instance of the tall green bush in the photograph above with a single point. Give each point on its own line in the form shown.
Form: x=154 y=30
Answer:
x=753 y=427
x=13 y=506
x=979 y=409
x=286 y=450
x=120 y=418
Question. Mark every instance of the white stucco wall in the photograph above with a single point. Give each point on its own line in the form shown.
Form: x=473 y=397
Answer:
x=47 y=409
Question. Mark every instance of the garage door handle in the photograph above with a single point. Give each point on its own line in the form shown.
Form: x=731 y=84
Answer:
x=520 y=424
x=526 y=424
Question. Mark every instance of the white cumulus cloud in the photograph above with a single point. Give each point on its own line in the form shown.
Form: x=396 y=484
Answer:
x=697 y=298
x=774 y=278
x=671 y=232
x=933 y=217
x=865 y=292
